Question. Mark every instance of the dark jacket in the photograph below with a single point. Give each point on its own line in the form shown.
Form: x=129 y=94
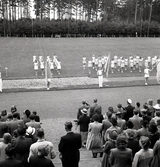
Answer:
x=69 y=148
x=40 y=161
x=11 y=162
x=84 y=121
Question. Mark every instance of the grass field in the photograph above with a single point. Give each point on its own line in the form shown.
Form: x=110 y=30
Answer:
x=16 y=53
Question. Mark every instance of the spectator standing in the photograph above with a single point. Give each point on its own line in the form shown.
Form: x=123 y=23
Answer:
x=95 y=109
x=4 y=115
x=22 y=145
x=84 y=121
x=40 y=142
x=33 y=123
x=14 y=124
x=129 y=110
x=3 y=128
x=111 y=143
x=26 y=115
x=10 y=161
x=154 y=134
x=84 y=105
x=37 y=118
x=14 y=109
x=136 y=120
x=69 y=147
x=40 y=160
x=121 y=156
x=156 y=155
x=144 y=156
x=151 y=109
x=6 y=140
x=94 y=139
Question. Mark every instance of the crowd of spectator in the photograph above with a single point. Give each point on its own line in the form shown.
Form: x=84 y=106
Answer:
x=22 y=140
x=129 y=136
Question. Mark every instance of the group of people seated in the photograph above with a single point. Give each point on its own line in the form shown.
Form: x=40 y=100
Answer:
x=22 y=140
x=128 y=136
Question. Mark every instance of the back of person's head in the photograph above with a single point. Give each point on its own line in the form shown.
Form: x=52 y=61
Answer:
x=158 y=113
x=119 y=105
x=95 y=100
x=13 y=109
x=158 y=101
x=109 y=114
x=145 y=123
x=138 y=104
x=83 y=102
x=7 y=138
x=153 y=127
x=129 y=124
x=10 y=116
x=43 y=150
x=15 y=115
x=15 y=133
x=68 y=125
x=150 y=102
x=21 y=131
x=32 y=117
x=145 y=106
x=34 y=112
x=3 y=112
x=40 y=133
x=110 y=109
x=136 y=112
x=145 y=142
x=114 y=121
x=27 y=112
x=10 y=150
x=121 y=142
x=95 y=117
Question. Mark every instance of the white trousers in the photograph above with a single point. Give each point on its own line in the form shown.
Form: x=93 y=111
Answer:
x=100 y=79
x=0 y=84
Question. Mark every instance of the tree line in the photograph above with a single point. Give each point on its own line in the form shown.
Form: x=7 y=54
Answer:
x=80 y=17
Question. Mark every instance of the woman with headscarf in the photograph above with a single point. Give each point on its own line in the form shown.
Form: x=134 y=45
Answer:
x=143 y=157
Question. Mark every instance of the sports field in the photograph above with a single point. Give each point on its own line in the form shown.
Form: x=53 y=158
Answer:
x=17 y=53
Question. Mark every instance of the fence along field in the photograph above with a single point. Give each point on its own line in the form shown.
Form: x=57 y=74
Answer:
x=16 y=57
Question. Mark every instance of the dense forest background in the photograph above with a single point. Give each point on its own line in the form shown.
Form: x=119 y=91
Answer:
x=80 y=18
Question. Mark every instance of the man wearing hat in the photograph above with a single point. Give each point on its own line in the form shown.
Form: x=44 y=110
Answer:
x=69 y=147
x=84 y=105
x=83 y=122
x=129 y=110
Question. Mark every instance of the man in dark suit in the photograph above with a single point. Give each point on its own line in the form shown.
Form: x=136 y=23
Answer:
x=14 y=124
x=129 y=110
x=10 y=161
x=22 y=146
x=69 y=147
x=95 y=109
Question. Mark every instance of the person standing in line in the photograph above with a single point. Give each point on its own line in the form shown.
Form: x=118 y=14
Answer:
x=40 y=160
x=10 y=161
x=83 y=122
x=69 y=147
x=100 y=77
x=145 y=155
